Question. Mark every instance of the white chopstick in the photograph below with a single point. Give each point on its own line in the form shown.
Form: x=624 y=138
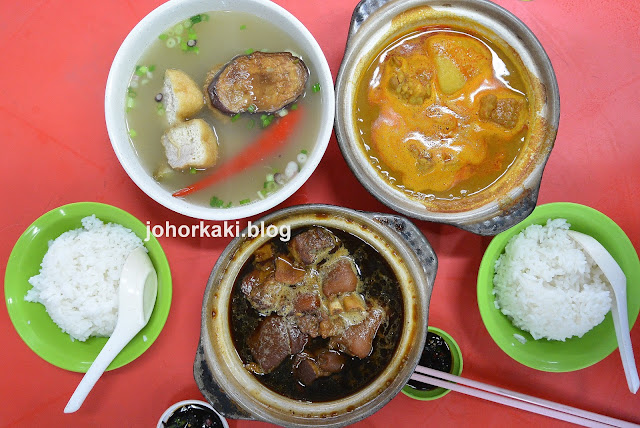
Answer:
x=516 y=399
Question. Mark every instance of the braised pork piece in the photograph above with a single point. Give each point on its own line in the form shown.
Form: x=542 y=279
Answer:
x=316 y=318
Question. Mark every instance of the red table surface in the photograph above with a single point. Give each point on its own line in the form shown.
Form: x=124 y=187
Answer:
x=56 y=56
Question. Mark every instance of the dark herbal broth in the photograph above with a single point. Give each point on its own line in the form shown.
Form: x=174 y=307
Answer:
x=437 y=356
x=221 y=36
x=423 y=120
x=193 y=416
x=380 y=283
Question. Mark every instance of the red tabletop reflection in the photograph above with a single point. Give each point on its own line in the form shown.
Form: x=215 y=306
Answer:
x=55 y=60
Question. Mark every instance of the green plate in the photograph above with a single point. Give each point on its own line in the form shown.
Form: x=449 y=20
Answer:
x=575 y=353
x=31 y=320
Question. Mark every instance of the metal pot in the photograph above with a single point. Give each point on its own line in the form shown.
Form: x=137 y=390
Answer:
x=514 y=195
x=237 y=394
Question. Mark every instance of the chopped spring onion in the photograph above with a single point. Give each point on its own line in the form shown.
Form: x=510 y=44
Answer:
x=192 y=170
x=133 y=133
x=252 y=108
x=195 y=19
x=293 y=107
x=152 y=67
x=141 y=70
x=163 y=36
x=249 y=51
x=316 y=88
x=131 y=92
x=229 y=205
x=304 y=152
x=178 y=28
x=235 y=117
x=245 y=201
x=269 y=186
x=170 y=42
x=243 y=27
x=251 y=124
x=216 y=202
x=266 y=120
x=131 y=103
x=269 y=177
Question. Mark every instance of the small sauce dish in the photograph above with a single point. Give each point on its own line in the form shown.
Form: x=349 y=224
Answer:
x=440 y=351
x=199 y=408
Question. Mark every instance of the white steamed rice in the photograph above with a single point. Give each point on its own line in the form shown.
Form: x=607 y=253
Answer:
x=79 y=277
x=548 y=286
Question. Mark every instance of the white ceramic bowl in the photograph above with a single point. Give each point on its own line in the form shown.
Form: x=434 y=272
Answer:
x=136 y=43
x=167 y=413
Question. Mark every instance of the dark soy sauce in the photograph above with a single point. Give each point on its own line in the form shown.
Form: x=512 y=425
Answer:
x=436 y=355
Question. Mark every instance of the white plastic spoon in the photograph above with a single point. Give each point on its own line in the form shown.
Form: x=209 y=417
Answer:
x=618 y=282
x=136 y=299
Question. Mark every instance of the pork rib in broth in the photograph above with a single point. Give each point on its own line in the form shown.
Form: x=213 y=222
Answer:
x=318 y=318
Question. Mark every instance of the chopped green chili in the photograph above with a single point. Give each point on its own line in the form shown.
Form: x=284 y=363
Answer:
x=316 y=87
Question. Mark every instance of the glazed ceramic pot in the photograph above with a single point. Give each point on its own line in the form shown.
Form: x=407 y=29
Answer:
x=236 y=393
x=513 y=196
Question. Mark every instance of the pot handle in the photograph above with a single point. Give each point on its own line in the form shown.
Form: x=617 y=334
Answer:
x=416 y=240
x=361 y=12
x=510 y=216
x=212 y=391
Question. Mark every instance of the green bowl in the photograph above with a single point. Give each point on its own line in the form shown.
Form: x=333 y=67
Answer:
x=574 y=353
x=456 y=369
x=31 y=320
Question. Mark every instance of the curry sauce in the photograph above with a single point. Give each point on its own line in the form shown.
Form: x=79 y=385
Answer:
x=441 y=113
